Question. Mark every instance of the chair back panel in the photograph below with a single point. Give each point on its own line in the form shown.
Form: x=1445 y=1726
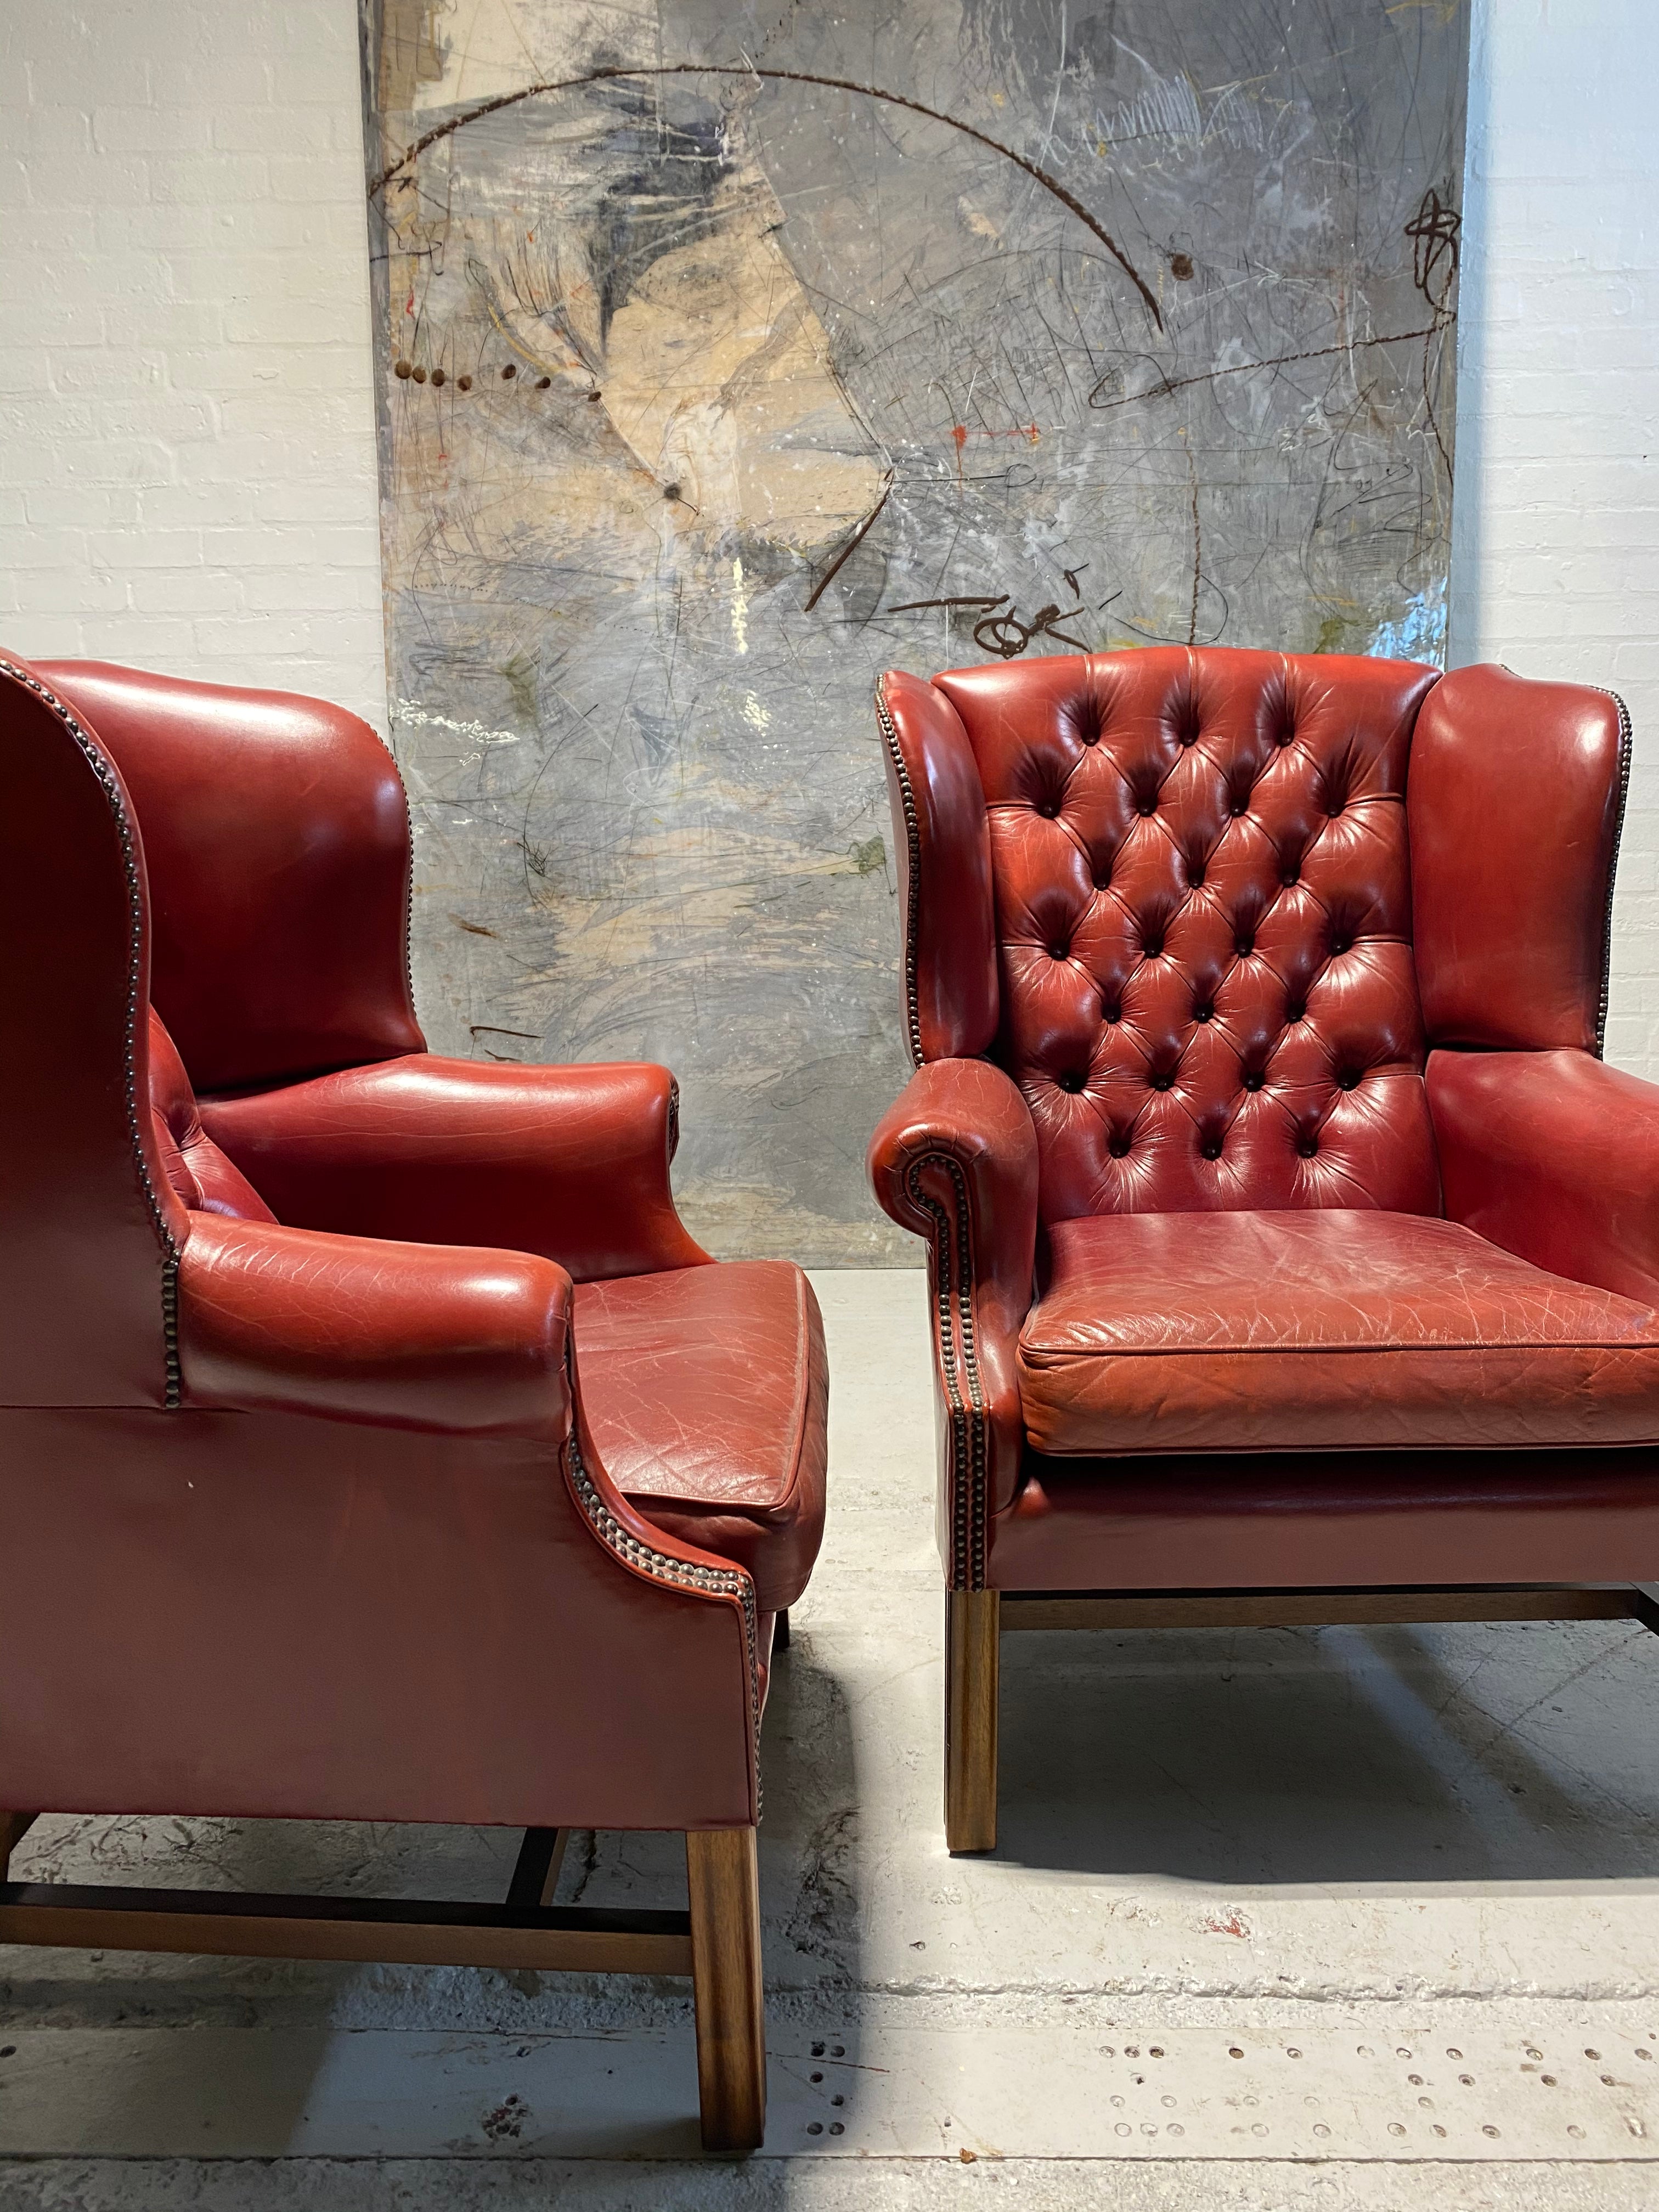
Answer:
x=89 y=1225
x=1202 y=910
x=277 y=841
x=1517 y=793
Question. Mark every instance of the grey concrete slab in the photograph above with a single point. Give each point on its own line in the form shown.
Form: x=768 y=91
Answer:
x=804 y=2185
x=1348 y=1843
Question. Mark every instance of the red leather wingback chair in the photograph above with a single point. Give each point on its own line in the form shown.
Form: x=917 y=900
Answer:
x=377 y=1443
x=1293 y=1254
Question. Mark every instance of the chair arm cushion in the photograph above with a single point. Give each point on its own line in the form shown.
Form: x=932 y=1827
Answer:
x=423 y=1336
x=1554 y=1156
x=371 y=1568
x=954 y=1160
x=571 y=1163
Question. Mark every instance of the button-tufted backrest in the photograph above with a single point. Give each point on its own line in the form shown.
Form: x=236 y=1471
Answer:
x=1200 y=901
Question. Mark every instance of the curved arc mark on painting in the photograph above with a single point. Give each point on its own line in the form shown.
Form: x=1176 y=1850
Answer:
x=1044 y=176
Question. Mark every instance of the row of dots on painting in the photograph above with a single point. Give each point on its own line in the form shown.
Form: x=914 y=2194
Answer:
x=411 y=371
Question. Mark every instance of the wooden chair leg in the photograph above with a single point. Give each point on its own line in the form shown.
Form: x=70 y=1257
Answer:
x=973 y=1653
x=536 y=1876
x=726 y=1977
x=13 y=1826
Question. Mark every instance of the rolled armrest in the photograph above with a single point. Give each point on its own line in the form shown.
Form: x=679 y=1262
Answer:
x=570 y=1163
x=954 y=1160
x=1554 y=1156
x=276 y=1319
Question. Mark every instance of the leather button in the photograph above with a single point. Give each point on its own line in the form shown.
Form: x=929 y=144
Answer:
x=1289 y=876
x=1059 y=951
x=1211 y=1148
x=1203 y=1014
x=1119 y=1148
x=1308 y=1147
x=1048 y=809
x=1295 y=1011
x=1161 y=1082
x=1339 y=944
x=1153 y=947
x=1146 y=806
x=1243 y=946
x=1197 y=877
x=1071 y=1081
x=1237 y=806
x=1254 y=1082
x=1349 y=1078
x=1111 y=1014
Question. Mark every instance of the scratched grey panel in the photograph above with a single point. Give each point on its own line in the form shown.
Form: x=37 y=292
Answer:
x=1116 y=322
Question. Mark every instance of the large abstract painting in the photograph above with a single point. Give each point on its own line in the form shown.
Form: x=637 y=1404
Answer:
x=731 y=352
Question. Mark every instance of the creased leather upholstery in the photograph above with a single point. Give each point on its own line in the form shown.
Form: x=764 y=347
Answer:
x=955 y=1159
x=1554 y=1156
x=199 y=1172
x=286 y=1319
x=1517 y=789
x=1329 y=1520
x=87 y=1215
x=1203 y=914
x=707 y=1390
x=281 y=1615
x=1206 y=870
x=1323 y=1330
x=570 y=1162
x=944 y=854
x=310 y=1524
x=277 y=841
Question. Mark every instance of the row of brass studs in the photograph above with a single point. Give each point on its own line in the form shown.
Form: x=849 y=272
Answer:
x=111 y=789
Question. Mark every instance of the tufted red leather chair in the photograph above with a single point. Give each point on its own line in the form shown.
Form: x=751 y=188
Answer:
x=1294 y=1254
x=310 y=1509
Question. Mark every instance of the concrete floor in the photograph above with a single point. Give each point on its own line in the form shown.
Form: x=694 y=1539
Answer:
x=1352 y=1920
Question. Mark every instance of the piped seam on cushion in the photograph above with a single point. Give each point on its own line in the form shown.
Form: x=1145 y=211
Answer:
x=1051 y=1356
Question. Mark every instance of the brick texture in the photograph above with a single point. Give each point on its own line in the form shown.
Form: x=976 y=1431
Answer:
x=1555 y=564
x=187 y=476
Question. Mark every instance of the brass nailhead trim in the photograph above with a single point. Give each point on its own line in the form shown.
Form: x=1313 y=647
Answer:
x=111 y=789
x=959 y=1365
x=1626 y=745
x=913 y=902
x=661 y=1567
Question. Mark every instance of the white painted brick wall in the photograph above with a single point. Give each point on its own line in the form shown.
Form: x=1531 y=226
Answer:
x=186 y=434
x=187 y=476
x=1555 y=566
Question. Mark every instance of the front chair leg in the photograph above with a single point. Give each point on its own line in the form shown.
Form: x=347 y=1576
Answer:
x=725 y=1978
x=972 y=1658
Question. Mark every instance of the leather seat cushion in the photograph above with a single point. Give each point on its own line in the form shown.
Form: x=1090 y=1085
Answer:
x=1333 y=1329
x=707 y=1392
